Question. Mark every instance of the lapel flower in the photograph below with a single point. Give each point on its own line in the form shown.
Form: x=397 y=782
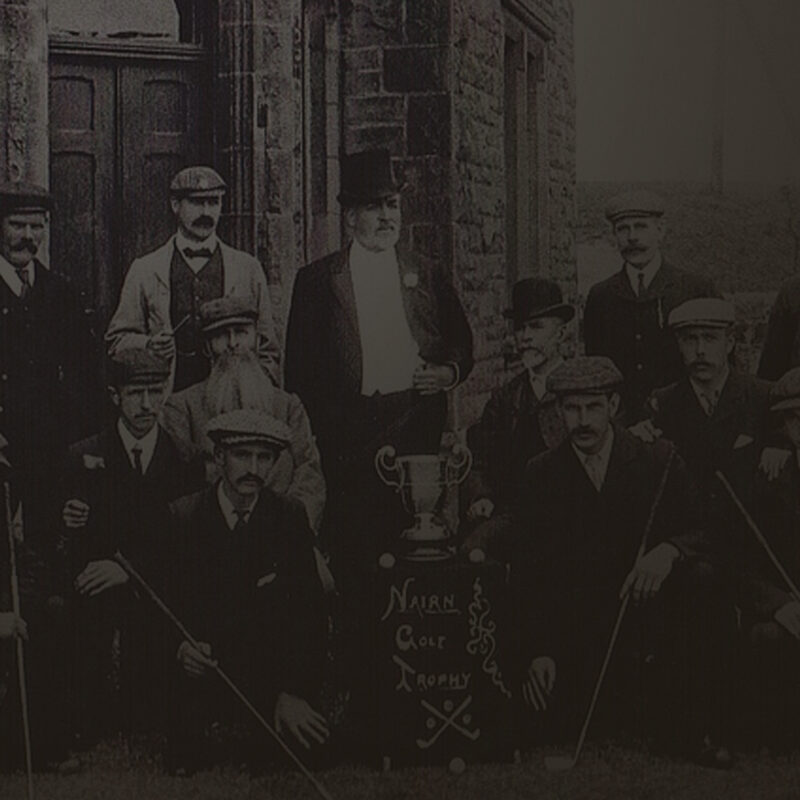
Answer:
x=93 y=462
x=411 y=280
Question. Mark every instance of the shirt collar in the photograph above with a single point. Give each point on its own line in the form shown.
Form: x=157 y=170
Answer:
x=363 y=260
x=229 y=510
x=147 y=444
x=601 y=457
x=649 y=272
x=713 y=392
x=182 y=242
x=10 y=275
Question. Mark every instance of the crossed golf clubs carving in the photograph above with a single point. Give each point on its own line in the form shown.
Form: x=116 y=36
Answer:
x=448 y=719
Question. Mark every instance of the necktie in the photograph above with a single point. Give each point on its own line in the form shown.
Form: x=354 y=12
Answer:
x=640 y=287
x=136 y=452
x=241 y=519
x=200 y=252
x=709 y=402
x=26 y=283
x=593 y=468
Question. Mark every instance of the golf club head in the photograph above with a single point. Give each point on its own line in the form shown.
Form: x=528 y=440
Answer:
x=558 y=763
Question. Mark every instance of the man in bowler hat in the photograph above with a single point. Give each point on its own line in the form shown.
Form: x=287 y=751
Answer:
x=159 y=305
x=520 y=419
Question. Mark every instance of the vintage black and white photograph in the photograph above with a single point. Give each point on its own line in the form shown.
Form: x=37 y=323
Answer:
x=399 y=399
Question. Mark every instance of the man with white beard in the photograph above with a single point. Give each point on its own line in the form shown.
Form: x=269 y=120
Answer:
x=237 y=380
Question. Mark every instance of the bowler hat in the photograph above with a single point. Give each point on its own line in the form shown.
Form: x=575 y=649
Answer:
x=785 y=393
x=247 y=425
x=196 y=181
x=229 y=310
x=137 y=365
x=585 y=375
x=21 y=196
x=366 y=177
x=537 y=297
x=636 y=203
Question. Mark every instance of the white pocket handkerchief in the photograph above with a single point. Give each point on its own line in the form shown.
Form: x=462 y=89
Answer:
x=265 y=579
x=742 y=440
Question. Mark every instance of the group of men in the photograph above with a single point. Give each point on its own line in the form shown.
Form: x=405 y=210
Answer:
x=594 y=477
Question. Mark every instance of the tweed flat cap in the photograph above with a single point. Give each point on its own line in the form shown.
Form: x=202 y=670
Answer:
x=137 y=365
x=785 y=394
x=710 y=312
x=230 y=310
x=247 y=425
x=637 y=203
x=585 y=375
x=197 y=180
x=21 y=196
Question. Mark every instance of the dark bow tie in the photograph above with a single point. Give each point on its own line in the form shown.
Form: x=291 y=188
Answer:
x=201 y=252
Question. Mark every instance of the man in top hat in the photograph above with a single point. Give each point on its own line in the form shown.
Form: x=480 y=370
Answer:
x=584 y=508
x=716 y=415
x=626 y=315
x=160 y=302
x=113 y=480
x=237 y=380
x=239 y=572
x=48 y=364
x=376 y=339
x=520 y=419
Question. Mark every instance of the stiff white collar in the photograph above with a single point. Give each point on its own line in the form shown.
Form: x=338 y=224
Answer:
x=648 y=272
x=147 y=444
x=228 y=509
x=10 y=275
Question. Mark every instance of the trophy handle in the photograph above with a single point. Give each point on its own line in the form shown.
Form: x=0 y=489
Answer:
x=386 y=466
x=458 y=466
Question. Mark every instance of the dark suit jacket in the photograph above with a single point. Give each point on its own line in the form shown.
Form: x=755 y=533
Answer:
x=781 y=349
x=323 y=348
x=737 y=428
x=577 y=544
x=253 y=594
x=515 y=426
x=632 y=331
x=48 y=371
x=100 y=473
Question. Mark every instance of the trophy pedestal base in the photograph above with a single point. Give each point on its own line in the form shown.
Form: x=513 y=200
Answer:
x=425 y=540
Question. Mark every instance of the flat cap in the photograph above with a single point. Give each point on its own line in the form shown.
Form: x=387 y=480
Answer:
x=636 y=203
x=137 y=365
x=197 y=180
x=21 y=196
x=247 y=425
x=785 y=393
x=228 y=310
x=585 y=375
x=710 y=312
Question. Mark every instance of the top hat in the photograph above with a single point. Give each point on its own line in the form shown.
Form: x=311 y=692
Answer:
x=537 y=297
x=367 y=177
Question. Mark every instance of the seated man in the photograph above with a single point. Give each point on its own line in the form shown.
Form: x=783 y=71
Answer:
x=239 y=572
x=111 y=480
x=237 y=380
x=584 y=509
x=520 y=419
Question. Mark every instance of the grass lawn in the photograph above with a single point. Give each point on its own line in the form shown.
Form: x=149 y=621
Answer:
x=605 y=773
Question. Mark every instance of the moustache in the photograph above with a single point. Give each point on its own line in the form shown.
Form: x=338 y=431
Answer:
x=204 y=221
x=583 y=430
x=24 y=244
x=696 y=364
x=251 y=478
x=633 y=249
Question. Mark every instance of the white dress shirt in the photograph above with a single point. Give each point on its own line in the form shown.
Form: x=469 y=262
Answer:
x=196 y=263
x=147 y=444
x=229 y=510
x=389 y=354
x=10 y=275
x=596 y=464
x=648 y=273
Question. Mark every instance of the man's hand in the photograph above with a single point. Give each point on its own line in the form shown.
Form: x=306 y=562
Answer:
x=11 y=625
x=196 y=663
x=432 y=378
x=539 y=682
x=483 y=508
x=650 y=571
x=789 y=616
x=75 y=513
x=163 y=344
x=97 y=576
x=773 y=460
x=297 y=716
x=646 y=431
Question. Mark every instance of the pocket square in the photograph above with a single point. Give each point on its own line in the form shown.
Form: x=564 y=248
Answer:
x=742 y=440
x=265 y=579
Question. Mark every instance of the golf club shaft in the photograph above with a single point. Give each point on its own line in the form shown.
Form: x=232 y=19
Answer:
x=623 y=605
x=162 y=606
x=762 y=540
x=15 y=606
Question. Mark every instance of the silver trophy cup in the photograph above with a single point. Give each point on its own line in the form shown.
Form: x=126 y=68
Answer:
x=422 y=481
